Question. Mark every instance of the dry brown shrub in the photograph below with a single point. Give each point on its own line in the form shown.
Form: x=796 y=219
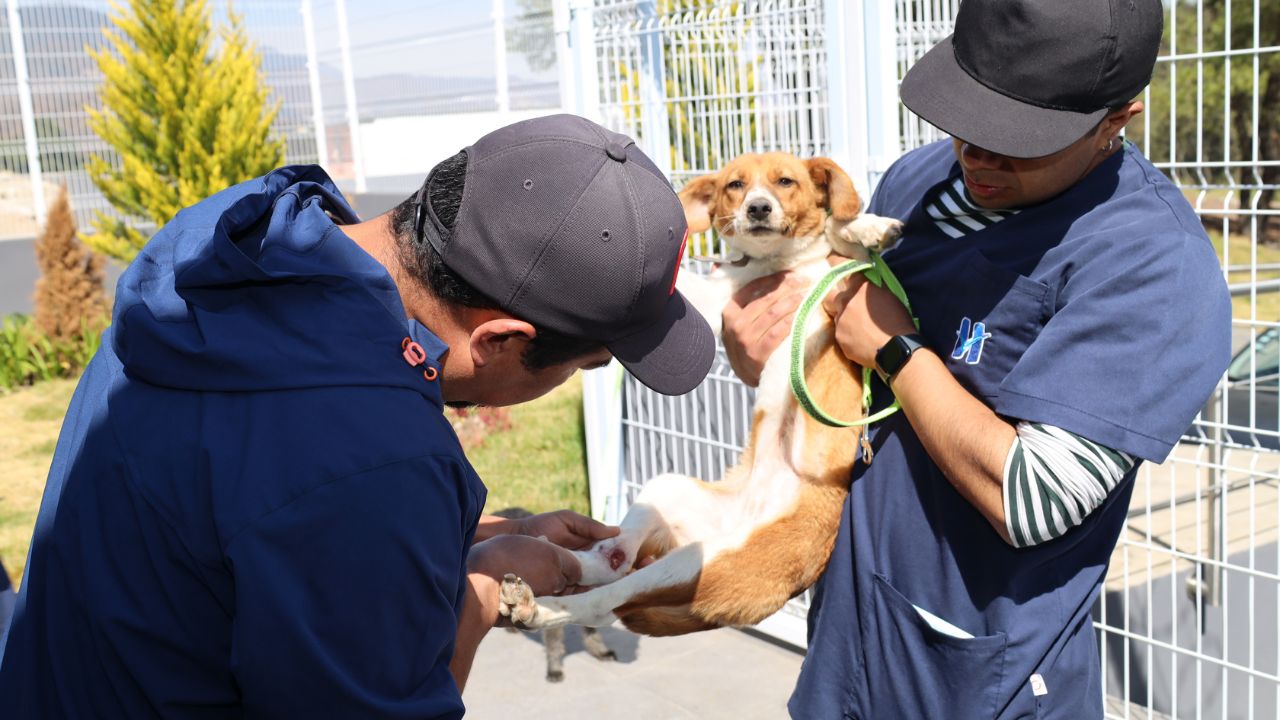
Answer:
x=70 y=300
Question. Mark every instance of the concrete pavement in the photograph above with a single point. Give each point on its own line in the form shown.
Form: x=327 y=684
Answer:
x=715 y=675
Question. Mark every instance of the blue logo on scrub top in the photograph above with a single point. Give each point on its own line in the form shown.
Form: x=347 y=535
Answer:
x=969 y=341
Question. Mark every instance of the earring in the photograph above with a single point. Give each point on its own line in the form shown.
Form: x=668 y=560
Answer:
x=1110 y=144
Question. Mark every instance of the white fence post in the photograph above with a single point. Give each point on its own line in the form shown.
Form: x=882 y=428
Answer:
x=349 y=92
x=654 y=120
x=601 y=389
x=560 y=16
x=27 y=108
x=602 y=417
x=862 y=91
x=502 y=81
x=313 y=78
x=583 y=48
x=880 y=44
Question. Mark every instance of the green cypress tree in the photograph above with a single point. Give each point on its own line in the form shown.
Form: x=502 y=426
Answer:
x=185 y=120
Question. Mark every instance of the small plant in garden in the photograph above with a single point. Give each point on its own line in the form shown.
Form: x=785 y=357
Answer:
x=473 y=425
x=185 y=121
x=29 y=356
x=70 y=301
x=26 y=355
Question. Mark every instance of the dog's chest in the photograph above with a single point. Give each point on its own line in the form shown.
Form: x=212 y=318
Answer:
x=810 y=261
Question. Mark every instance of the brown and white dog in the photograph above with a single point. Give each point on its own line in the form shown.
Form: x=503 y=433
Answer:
x=733 y=552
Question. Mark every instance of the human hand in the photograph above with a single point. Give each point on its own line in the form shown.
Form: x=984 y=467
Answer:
x=566 y=528
x=757 y=320
x=866 y=317
x=546 y=567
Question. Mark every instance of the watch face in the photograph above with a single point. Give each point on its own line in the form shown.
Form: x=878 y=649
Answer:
x=894 y=354
x=889 y=359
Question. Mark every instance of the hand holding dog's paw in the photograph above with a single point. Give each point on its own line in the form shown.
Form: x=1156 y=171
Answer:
x=566 y=528
x=547 y=568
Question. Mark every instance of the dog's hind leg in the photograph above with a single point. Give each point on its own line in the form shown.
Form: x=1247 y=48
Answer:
x=553 y=645
x=594 y=643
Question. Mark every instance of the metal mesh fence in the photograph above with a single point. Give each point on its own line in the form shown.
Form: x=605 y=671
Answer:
x=428 y=59
x=330 y=70
x=1189 y=617
x=44 y=68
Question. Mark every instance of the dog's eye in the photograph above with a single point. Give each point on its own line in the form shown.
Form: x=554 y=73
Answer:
x=786 y=181
x=735 y=185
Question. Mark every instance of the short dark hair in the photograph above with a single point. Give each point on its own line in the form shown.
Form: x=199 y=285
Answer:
x=419 y=259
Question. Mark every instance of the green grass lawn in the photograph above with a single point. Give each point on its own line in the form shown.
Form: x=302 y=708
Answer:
x=29 y=422
x=539 y=464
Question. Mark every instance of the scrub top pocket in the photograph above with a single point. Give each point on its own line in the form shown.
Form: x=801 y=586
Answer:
x=928 y=673
x=986 y=318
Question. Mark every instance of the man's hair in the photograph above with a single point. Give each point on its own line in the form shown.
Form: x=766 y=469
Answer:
x=422 y=262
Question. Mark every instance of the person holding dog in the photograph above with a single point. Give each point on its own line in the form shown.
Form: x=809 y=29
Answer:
x=257 y=506
x=1073 y=319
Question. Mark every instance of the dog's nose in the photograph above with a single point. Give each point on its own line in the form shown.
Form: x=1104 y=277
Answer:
x=759 y=210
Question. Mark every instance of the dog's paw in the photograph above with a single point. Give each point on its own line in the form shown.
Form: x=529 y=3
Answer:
x=555 y=676
x=869 y=232
x=516 y=602
x=891 y=234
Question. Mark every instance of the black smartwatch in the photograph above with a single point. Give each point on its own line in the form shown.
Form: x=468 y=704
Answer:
x=894 y=354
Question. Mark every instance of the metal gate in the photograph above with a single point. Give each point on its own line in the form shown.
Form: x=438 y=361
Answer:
x=1189 y=617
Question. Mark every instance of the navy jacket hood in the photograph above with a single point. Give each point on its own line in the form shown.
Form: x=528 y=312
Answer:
x=227 y=296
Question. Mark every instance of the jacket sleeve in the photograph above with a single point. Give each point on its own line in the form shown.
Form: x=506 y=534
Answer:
x=347 y=598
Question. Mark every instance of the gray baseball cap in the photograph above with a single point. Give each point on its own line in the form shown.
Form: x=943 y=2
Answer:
x=1027 y=78
x=569 y=226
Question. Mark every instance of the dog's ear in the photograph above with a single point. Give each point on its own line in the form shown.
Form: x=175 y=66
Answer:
x=839 y=194
x=697 y=196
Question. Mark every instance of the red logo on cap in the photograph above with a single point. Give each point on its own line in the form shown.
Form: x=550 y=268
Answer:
x=679 y=259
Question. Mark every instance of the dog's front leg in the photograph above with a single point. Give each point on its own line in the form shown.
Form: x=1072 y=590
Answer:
x=671 y=510
x=708 y=294
x=865 y=232
x=671 y=580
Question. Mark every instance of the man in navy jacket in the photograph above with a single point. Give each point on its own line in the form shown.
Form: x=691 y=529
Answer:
x=257 y=507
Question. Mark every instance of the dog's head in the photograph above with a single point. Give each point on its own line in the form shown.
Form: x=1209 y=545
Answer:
x=760 y=201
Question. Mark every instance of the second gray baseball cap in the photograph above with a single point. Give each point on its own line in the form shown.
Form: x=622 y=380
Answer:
x=571 y=227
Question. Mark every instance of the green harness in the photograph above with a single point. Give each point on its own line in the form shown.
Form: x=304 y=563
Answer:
x=878 y=273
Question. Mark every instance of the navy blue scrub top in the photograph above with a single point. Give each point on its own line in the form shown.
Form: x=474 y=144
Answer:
x=1102 y=311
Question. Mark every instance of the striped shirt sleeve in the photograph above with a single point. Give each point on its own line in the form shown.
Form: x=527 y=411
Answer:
x=1053 y=479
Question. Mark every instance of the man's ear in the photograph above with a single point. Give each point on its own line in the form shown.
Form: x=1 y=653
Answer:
x=697 y=196
x=839 y=195
x=1113 y=123
x=492 y=338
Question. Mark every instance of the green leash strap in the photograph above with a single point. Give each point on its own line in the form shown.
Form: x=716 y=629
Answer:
x=878 y=273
